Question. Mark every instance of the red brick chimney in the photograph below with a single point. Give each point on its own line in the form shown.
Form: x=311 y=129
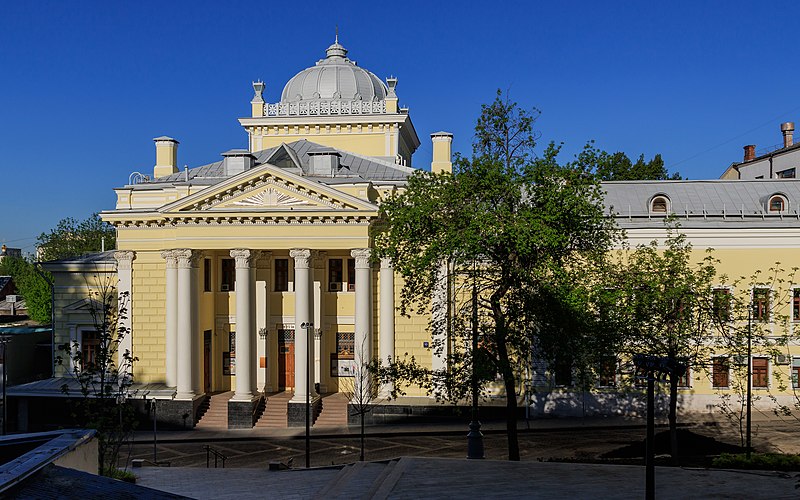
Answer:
x=750 y=152
x=788 y=131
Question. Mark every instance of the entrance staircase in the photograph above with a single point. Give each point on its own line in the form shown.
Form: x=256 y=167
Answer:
x=216 y=416
x=276 y=412
x=334 y=411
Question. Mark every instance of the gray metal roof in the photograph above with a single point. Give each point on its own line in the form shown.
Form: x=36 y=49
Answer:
x=351 y=165
x=721 y=202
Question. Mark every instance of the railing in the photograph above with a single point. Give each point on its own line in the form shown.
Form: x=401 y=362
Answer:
x=217 y=456
x=317 y=108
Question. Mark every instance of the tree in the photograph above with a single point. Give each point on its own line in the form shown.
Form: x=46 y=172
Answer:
x=361 y=390
x=518 y=226
x=31 y=284
x=103 y=373
x=668 y=305
x=72 y=238
x=618 y=167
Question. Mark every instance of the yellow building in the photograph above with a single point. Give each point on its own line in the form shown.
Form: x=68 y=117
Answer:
x=251 y=272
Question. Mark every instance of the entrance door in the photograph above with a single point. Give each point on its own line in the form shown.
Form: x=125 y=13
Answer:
x=285 y=359
x=207 y=361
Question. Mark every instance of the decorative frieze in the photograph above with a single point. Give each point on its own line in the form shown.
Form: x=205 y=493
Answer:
x=325 y=108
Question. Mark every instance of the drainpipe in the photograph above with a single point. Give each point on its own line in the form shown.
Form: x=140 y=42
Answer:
x=36 y=267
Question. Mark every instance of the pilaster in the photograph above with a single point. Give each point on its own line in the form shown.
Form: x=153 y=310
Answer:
x=124 y=260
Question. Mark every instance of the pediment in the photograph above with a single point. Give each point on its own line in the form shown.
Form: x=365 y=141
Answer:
x=268 y=188
x=84 y=305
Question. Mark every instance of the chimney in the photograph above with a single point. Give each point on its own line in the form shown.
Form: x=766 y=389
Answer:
x=442 y=151
x=166 y=156
x=750 y=152
x=788 y=132
x=236 y=161
x=323 y=162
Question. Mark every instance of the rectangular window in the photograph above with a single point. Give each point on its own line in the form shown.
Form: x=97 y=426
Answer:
x=720 y=371
x=684 y=380
x=761 y=304
x=228 y=278
x=760 y=373
x=796 y=373
x=206 y=275
x=351 y=275
x=607 y=373
x=786 y=174
x=721 y=304
x=796 y=304
x=90 y=344
x=281 y=275
x=345 y=354
x=335 y=275
x=562 y=373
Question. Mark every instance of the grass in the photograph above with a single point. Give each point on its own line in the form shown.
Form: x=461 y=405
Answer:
x=758 y=461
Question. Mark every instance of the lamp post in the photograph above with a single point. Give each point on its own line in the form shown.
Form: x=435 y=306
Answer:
x=308 y=327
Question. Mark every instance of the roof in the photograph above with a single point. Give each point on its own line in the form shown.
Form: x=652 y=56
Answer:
x=352 y=166
x=722 y=202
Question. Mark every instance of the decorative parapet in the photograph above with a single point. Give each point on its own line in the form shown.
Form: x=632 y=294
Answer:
x=324 y=108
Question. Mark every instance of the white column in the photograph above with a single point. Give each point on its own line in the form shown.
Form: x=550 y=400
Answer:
x=264 y=263
x=319 y=282
x=185 y=359
x=303 y=313
x=386 y=326
x=245 y=331
x=172 y=318
x=363 y=337
x=124 y=308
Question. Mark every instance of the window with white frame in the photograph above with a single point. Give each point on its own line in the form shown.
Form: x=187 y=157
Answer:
x=761 y=304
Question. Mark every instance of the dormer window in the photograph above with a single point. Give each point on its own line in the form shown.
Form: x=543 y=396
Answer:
x=777 y=203
x=659 y=205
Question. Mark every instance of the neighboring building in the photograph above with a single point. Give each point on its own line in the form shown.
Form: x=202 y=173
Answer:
x=9 y=252
x=776 y=162
x=751 y=225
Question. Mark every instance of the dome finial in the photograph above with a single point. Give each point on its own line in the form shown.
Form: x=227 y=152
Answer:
x=336 y=50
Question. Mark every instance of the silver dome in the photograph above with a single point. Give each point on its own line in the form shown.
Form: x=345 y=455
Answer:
x=334 y=78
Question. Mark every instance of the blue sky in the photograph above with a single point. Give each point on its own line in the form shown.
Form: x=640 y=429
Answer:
x=85 y=86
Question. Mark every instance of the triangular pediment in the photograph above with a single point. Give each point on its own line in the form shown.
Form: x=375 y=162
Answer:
x=83 y=305
x=268 y=188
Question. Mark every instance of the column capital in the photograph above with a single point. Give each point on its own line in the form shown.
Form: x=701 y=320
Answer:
x=186 y=258
x=301 y=257
x=124 y=259
x=170 y=257
x=386 y=263
x=243 y=256
x=362 y=256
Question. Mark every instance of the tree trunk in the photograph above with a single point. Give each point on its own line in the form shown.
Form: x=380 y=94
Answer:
x=673 y=417
x=511 y=396
x=361 y=458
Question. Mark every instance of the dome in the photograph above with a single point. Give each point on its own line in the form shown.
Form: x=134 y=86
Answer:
x=334 y=78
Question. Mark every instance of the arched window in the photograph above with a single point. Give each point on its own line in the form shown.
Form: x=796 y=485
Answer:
x=659 y=204
x=777 y=203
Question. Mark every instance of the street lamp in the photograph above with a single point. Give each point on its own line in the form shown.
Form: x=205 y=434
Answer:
x=308 y=327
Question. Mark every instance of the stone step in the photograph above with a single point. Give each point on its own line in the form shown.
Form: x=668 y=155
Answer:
x=357 y=480
x=275 y=414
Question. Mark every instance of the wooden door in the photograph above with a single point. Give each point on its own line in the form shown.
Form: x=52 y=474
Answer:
x=285 y=359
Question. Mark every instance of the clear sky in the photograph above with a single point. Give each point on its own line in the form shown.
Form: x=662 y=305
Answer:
x=85 y=86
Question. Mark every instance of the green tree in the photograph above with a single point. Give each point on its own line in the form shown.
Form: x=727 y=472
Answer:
x=72 y=238
x=31 y=285
x=514 y=227
x=619 y=167
x=670 y=309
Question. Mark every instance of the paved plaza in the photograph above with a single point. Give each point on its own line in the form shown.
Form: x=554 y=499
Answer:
x=428 y=462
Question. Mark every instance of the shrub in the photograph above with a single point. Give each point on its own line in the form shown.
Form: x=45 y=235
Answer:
x=761 y=461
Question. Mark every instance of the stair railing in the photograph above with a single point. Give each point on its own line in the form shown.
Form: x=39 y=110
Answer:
x=218 y=455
